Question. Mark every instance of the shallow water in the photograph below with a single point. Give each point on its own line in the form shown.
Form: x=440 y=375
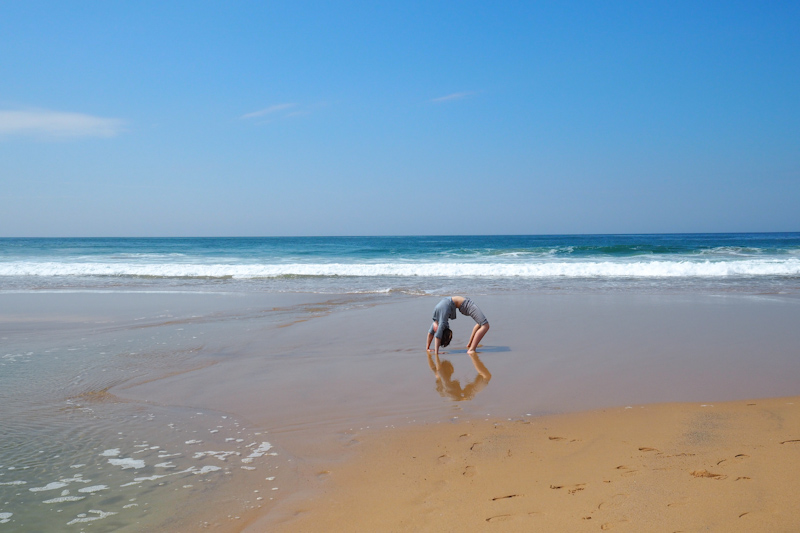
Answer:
x=73 y=454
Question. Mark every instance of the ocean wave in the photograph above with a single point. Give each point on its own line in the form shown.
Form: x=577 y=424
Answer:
x=576 y=269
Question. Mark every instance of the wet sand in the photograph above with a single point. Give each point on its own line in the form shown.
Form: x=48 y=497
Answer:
x=366 y=364
x=338 y=390
x=341 y=384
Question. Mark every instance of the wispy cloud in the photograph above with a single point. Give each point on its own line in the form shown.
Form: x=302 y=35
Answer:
x=268 y=111
x=454 y=96
x=56 y=124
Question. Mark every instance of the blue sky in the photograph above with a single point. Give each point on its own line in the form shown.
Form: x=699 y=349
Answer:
x=373 y=118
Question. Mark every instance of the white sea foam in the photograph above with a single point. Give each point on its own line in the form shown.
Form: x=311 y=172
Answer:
x=98 y=515
x=148 y=478
x=5 y=517
x=62 y=499
x=263 y=448
x=621 y=268
x=207 y=469
x=93 y=488
x=50 y=486
x=113 y=452
x=219 y=455
x=127 y=462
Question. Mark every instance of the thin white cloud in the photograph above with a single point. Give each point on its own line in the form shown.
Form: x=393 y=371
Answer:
x=268 y=111
x=56 y=124
x=454 y=96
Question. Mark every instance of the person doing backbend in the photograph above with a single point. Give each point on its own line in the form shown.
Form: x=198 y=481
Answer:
x=445 y=310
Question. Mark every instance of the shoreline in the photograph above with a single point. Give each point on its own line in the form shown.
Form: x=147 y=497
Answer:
x=730 y=466
x=318 y=376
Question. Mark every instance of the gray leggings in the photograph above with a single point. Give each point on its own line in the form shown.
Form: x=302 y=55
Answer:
x=470 y=309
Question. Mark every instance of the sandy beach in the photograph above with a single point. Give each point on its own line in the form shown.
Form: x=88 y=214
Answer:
x=731 y=466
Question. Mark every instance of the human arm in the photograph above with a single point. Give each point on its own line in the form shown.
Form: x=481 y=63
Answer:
x=437 y=341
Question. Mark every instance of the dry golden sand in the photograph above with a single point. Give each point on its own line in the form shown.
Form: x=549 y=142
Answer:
x=670 y=467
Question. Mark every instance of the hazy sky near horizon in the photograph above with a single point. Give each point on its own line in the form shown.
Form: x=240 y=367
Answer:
x=374 y=118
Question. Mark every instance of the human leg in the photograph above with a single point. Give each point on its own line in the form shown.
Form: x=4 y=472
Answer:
x=472 y=336
x=476 y=340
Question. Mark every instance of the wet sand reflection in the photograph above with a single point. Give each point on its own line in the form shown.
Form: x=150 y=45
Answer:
x=451 y=388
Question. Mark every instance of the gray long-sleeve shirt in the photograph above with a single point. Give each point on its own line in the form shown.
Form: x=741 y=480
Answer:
x=444 y=311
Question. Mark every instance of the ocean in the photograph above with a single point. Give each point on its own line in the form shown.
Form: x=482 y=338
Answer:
x=750 y=262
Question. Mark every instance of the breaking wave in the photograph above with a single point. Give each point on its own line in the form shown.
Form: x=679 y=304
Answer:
x=564 y=269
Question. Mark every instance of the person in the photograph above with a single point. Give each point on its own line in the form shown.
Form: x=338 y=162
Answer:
x=445 y=311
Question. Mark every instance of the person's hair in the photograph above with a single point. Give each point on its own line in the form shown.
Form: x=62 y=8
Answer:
x=447 y=336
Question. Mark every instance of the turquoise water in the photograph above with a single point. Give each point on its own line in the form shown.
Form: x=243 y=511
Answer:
x=749 y=261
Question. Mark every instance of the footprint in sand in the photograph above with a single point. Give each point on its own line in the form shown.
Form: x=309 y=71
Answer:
x=648 y=449
x=737 y=458
x=615 y=501
x=443 y=459
x=506 y=497
x=571 y=489
x=577 y=488
x=464 y=436
x=469 y=471
x=508 y=517
x=627 y=471
x=706 y=473
x=563 y=438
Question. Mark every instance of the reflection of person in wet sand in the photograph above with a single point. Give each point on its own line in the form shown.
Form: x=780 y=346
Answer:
x=445 y=311
x=449 y=387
